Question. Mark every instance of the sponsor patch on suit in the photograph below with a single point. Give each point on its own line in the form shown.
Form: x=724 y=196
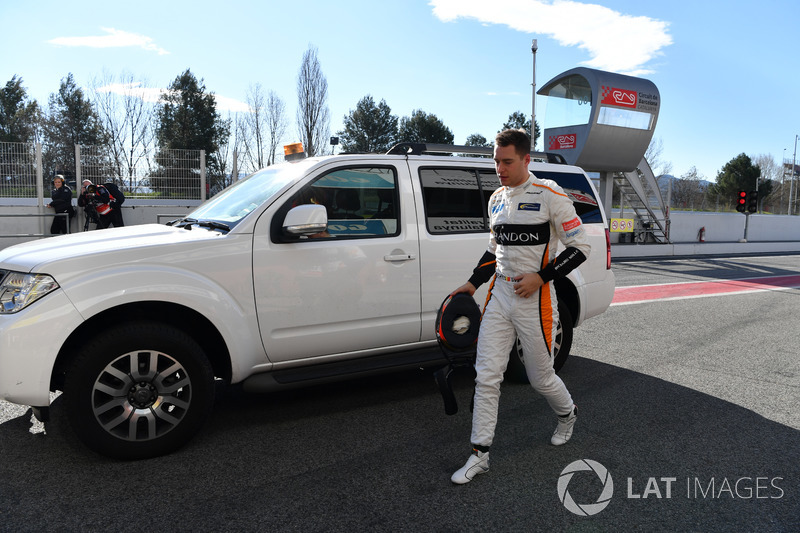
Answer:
x=521 y=234
x=572 y=224
x=529 y=207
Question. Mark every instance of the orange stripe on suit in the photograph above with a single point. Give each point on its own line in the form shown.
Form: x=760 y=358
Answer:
x=546 y=307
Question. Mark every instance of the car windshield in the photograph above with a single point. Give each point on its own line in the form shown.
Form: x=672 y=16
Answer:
x=239 y=200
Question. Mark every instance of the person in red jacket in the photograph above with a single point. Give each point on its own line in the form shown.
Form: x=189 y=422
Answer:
x=95 y=199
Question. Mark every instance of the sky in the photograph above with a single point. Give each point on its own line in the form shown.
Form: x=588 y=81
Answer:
x=727 y=71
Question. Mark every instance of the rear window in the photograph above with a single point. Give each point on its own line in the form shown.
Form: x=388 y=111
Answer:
x=456 y=199
x=577 y=187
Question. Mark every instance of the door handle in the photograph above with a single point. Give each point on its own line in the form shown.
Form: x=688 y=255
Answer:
x=398 y=258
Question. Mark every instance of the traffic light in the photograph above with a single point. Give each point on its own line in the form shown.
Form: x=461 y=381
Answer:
x=741 y=201
x=752 y=201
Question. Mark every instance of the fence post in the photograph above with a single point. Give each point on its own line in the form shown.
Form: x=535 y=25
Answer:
x=235 y=169
x=40 y=186
x=203 y=196
x=77 y=165
x=39 y=174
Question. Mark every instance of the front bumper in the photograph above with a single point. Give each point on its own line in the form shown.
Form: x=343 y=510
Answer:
x=29 y=345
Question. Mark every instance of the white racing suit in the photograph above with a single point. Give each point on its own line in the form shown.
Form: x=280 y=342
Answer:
x=526 y=222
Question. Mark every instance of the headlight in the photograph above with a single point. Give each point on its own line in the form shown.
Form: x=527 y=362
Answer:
x=18 y=290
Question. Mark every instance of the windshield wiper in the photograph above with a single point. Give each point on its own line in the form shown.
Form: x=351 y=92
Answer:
x=187 y=223
x=213 y=224
x=182 y=223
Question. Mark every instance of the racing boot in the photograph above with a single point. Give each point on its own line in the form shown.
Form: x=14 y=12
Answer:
x=478 y=463
x=564 y=429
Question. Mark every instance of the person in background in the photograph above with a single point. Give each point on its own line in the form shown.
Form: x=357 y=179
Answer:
x=95 y=198
x=117 y=199
x=61 y=202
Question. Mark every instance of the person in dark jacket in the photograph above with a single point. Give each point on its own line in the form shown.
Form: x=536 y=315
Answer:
x=95 y=199
x=117 y=199
x=61 y=203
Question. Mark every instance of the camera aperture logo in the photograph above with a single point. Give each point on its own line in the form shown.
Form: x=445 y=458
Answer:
x=585 y=509
x=585 y=486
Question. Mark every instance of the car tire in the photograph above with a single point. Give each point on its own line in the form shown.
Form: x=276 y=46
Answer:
x=138 y=390
x=562 y=346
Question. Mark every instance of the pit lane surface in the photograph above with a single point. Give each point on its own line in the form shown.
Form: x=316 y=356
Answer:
x=696 y=399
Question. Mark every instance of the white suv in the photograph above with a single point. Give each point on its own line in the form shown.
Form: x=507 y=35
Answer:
x=302 y=272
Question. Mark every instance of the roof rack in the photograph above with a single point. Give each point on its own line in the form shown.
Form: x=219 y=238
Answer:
x=429 y=148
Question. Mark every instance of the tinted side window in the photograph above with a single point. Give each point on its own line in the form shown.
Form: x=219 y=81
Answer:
x=489 y=183
x=454 y=201
x=361 y=202
x=577 y=188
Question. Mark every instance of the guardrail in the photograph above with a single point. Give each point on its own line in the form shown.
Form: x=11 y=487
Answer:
x=18 y=235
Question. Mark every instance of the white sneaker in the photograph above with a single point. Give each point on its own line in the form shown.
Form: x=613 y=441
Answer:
x=478 y=463
x=564 y=430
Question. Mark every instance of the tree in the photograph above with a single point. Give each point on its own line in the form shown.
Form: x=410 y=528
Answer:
x=688 y=191
x=127 y=119
x=19 y=117
x=187 y=119
x=476 y=139
x=738 y=174
x=653 y=155
x=253 y=130
x=71 y=120
x=369 y=128
x=421 y=127
x=276 y=124
x=262 y=129
x=228 y=146
x=519 y=121
x=771 y=180
x=313 y=117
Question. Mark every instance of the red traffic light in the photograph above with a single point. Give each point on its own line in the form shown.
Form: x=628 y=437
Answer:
x=741 y=203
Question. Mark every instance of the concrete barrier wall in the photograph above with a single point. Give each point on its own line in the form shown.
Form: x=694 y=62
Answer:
x=720 y=227
x=14 y=230
x=728 y=227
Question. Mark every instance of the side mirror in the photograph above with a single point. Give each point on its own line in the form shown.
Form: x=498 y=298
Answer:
x=308 y=219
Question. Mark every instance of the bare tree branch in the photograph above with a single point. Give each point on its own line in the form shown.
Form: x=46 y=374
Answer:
x=312 y=110
x=127 y=117
x=276 y=124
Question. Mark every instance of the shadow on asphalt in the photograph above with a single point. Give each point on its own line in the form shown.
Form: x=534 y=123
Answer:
x=376 y=455
x=692 y=268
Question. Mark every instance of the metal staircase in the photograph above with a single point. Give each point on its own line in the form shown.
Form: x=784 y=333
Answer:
x=641 y=194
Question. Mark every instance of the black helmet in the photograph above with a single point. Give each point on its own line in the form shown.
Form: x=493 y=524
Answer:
x=458 y=322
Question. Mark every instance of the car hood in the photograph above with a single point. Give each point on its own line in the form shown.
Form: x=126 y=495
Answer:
x=106 y=246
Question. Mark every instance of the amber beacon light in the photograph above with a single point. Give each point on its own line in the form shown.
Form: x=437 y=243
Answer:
x=293 y=152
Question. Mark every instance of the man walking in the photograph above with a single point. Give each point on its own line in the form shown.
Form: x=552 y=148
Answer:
x=528 y=216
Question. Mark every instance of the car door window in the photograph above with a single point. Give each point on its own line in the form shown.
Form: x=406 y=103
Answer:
x=360 y=202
